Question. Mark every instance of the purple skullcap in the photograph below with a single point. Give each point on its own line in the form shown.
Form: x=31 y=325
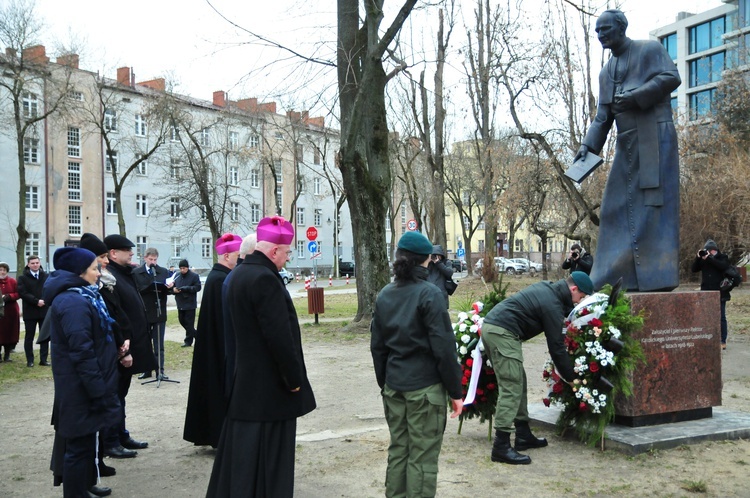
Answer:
x=228 y=242
x=275 y=230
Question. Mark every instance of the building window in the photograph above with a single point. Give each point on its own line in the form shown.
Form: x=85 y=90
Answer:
x=110 y=120
x=141 y=243
x=707 y=35
x=301 y=216
x=318 y=217
x=32 y=244
x=254 y=178
x=205 y=247
x=279 y=197
x=277 y=170
x=174 y=133
x=234 y=211
x=74 y=142
x=316 y=155
x=234 y=140
x=205 y=140
x=30 y=105
x=74 y=181
x=701 y=103
x=111 y=162
x=518 y=245
x=706 y=69
x=387 y=223
x=234 y=176
x=74 y=220
x=142 y=168
x=32 y=197
x=300 y=249
x=31 y=150
x=141 y=205
x=174 y=207
x=140 y=125
x=670 y=44
x=403 y=215
x=300 y=153
x=317 y=182
x=176 y=247
x=111 y=203
x=75 y=95
x=254 y=214
x=174 y=169
x=254 y=141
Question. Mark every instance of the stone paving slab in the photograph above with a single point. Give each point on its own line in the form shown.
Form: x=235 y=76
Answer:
x=724 y=425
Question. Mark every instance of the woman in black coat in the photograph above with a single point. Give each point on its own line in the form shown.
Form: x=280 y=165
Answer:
x=84 y=359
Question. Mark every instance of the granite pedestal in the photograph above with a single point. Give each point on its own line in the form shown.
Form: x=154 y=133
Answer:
x=681 y=379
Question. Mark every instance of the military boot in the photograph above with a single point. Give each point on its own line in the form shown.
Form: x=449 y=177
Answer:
x=525 y=439
x=502 y=451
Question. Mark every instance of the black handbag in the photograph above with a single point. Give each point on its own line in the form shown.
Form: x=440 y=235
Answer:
x=450 y=286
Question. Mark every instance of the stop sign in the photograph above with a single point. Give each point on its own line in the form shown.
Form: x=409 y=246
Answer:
x=312 y=233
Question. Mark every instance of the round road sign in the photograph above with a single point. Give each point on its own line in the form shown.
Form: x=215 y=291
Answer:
x=411 y=225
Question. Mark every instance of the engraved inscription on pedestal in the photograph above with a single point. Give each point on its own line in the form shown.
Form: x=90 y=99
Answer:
x=682 y=376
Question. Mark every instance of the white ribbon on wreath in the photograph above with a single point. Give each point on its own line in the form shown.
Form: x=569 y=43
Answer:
x=476 y=369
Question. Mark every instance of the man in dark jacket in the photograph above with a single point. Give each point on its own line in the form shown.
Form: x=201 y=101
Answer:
x=30 y=285
x=541 y=307
x=578 y=260
x=151 y=281
x=120 y=256
x=207 y=404
x=712 y=264
x=439 y=271
x=255 y=456
x=185 y=287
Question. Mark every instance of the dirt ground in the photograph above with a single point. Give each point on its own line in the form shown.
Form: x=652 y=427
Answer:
x=342 y=445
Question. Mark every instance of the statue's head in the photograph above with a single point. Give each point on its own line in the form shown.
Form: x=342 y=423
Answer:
x=610 y=28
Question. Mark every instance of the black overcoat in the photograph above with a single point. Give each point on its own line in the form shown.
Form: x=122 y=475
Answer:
x=30 y=290
x=153 y=290
x=189 y=285
x=268 y=362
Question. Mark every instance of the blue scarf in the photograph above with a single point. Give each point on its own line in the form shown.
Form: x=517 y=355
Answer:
x=91 y=292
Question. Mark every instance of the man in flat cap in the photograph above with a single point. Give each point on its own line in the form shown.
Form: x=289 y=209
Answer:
x=541 y=307
x=207 y=404
x=255 y=456
x=120 y=254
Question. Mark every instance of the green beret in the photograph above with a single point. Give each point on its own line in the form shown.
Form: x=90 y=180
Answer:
x=583 y=281
x=415 y=242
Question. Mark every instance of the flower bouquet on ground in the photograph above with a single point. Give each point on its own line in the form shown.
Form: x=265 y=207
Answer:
x=598 y=340
x=478 y=382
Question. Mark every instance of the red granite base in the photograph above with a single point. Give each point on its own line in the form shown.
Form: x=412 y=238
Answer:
x=681 y=341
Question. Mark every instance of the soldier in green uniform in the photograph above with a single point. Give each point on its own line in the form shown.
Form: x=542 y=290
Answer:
x=541 y=307
x=414 y=354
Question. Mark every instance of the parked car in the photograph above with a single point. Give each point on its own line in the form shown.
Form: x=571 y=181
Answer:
x=346 y=268
x=531 y=265
x=504 y=266
x=458 y=264
x=286 y=276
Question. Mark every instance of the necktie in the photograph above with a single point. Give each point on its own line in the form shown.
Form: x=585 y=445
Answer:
x=36 y=276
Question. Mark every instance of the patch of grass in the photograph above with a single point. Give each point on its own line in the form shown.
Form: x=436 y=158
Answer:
x=695 y=486
x=740 y=462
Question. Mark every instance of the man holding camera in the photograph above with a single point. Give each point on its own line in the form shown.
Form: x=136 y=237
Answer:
x=713 y=264
x=578 y=260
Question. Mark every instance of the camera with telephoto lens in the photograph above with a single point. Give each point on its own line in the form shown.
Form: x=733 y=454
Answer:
x=576 y=254
x=702 y=253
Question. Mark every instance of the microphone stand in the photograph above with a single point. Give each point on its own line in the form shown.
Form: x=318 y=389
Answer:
x=156 y=334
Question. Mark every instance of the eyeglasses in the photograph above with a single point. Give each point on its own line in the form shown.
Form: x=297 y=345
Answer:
x=289 y=253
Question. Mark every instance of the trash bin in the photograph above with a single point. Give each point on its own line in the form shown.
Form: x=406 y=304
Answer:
x=315 y=300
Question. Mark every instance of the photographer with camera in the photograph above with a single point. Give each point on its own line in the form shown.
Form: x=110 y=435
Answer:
x=713 y=264
x=440 y=271
x=578 y=260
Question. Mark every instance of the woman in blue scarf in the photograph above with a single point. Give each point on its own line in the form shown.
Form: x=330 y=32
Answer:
x=84 y=363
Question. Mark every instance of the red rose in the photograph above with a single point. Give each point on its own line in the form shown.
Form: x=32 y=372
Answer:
x=594 y=367
x=489 y=371
x=491 y=386
x=483 y=399
x=546 y=401
x=469 y=362
x=595 y=322
x=557 y=388
x=545 y=375
x=584 y=312
x=583 y=406
x=480 y=391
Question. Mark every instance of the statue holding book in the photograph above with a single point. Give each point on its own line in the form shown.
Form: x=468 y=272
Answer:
x=639 y=228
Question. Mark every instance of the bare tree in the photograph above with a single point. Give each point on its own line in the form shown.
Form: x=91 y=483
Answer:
x=35 y=90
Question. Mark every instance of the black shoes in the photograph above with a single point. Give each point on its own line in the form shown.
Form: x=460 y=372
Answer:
x=30 y=364
x=120 y=452
x=163 y=377
x=44 y=363
x=502 y=451
x=106 y=471
x=145 y=375
x=185 y=345
x=525 y=439
x=132 y=444
x=100 y=490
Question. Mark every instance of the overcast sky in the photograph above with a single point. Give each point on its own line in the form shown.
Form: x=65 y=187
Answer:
x=187 y=41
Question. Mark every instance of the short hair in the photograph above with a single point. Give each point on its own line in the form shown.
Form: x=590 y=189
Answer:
x=619 y=17
x=576 y=246
x=248 y=244
x=151 y=251
x=3 y=264
x=31 y=257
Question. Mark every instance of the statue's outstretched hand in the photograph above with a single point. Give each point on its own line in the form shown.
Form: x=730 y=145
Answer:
x=624 y=101
x=581 y=154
